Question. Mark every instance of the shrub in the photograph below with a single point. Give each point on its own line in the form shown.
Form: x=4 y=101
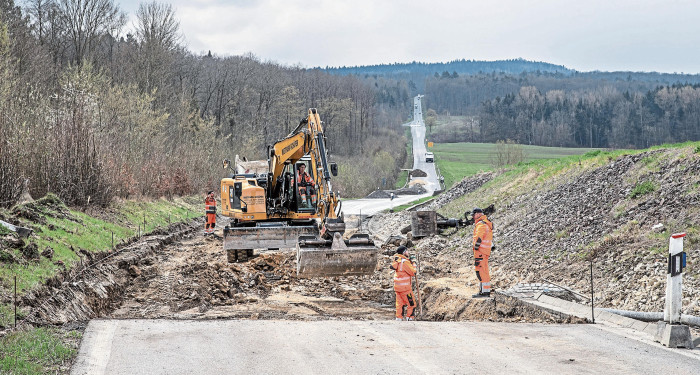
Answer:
x=642 y=189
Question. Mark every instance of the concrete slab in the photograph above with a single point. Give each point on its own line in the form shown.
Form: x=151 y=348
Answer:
x=367 y=347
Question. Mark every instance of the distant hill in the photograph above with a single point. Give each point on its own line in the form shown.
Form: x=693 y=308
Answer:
x=512 y=67
x=515 y=66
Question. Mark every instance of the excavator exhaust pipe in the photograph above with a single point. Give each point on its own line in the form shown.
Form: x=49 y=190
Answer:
x=318 y=257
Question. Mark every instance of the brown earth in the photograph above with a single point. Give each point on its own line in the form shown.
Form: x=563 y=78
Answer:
x=182 y=275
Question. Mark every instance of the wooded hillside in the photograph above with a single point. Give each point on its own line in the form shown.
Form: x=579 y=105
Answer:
x=90 y=112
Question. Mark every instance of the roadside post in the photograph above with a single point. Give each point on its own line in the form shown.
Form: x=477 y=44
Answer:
x=671 y=332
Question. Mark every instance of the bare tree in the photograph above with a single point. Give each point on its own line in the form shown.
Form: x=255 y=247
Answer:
x=156 y=26
x=86 y=21
x=507 y=153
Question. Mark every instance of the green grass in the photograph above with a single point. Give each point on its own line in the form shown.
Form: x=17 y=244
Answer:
x=643 y=188
x=401 y=179
x=407 y=205
x=36 y=351
x=458 y=160
x=67 y=235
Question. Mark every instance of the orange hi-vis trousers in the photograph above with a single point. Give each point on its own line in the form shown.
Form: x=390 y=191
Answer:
x=405 y=299
x=481 y=265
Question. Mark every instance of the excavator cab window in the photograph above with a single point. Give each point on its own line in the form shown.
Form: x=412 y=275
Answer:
x=309 y=190
x=236 y=195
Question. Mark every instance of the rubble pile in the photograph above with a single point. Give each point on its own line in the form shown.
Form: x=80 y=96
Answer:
x=555 y=228
x=463 y=187
x=414 y=189
x=379 y=194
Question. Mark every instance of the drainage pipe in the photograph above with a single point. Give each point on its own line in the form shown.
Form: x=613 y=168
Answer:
x=652 y=316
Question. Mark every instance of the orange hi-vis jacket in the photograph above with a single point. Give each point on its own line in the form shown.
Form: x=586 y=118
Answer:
x=304 y=179
x=404 y=270
x=210 y=205
x=483 y=236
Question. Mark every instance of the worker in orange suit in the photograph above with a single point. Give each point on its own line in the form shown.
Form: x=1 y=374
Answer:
x=306 y=186
x=482 y=242
x=210 y=211
x=405 y=269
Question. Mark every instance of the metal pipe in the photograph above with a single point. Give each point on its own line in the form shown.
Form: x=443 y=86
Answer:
x=654 y=316
x=592 y=311
x=15 y=301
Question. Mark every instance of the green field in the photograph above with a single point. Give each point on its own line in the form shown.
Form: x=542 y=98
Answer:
x=457 y=160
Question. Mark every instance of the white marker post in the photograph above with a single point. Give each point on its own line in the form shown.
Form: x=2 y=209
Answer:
x=670 y=332
x=674 y=279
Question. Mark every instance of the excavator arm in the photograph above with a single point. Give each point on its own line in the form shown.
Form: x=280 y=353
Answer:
x=307 y=138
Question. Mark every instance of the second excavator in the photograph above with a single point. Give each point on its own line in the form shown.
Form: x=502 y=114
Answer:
x=291 y=205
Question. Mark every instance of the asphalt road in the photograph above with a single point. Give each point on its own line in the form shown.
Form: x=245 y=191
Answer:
x=368 y=347
x=372 y=206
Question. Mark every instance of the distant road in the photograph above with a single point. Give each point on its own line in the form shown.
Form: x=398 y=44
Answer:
x=372 y=206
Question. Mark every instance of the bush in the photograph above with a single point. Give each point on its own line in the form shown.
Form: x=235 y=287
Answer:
x=591 y=154
x=642 y=189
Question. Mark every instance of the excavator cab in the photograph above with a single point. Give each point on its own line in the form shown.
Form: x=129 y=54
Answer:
x=304 y=193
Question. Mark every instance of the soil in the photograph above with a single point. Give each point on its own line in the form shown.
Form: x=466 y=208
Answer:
x=179 y=274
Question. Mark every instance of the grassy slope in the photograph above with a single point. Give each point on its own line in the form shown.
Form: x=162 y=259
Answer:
x=68 y=231
x=457 y=160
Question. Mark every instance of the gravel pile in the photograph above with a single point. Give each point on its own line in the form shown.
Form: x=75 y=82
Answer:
x=465 y=186
x=379 y=194
x=560 y=222
x=416 y=189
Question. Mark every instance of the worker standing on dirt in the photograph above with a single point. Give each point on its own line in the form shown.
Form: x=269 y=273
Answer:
x=405 y=269
x=210 y=210
x=306 y=186
x=482 y=241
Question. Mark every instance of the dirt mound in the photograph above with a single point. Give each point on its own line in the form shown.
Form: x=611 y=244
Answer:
x=415 y=189
x=417 y=173
x=379 y=194
x=443 y=304
x=37 y=211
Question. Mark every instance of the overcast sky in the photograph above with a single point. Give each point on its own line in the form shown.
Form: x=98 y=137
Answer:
x=637 y=35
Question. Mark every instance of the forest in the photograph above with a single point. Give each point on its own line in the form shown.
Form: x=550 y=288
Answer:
x=93 y=108
x=91 y=111
x=602 y=110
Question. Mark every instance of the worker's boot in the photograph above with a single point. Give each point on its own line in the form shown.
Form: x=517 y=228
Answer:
x=399 y=319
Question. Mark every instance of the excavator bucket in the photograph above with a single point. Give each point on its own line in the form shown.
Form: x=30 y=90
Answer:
x=323 y=258
x=239 y=242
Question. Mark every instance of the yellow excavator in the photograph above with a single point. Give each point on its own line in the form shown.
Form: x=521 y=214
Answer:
x=283 y=208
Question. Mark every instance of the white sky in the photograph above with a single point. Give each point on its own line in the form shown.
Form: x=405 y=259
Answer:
x=637 y=35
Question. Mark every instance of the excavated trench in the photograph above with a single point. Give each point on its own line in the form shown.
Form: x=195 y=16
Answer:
x=178 y=274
